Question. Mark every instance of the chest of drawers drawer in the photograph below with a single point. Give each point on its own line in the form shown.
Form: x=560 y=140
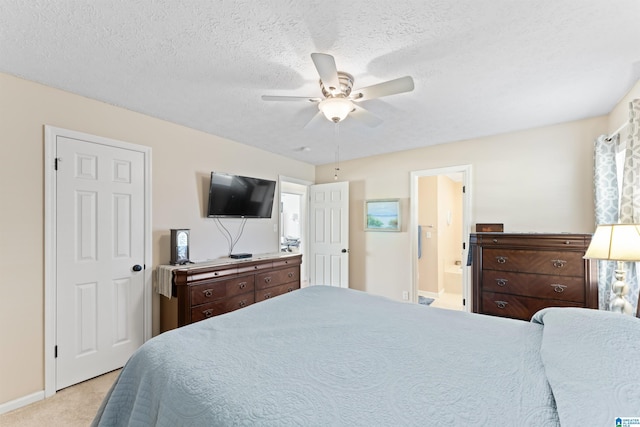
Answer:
x=534 y=285
x=277 y=277
x=517 y=306
x=221 y=289
x=221 y=306
x=274 y=291
x=531 y=261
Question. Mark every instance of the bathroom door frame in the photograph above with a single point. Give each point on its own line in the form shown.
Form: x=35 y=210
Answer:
x=466 y=171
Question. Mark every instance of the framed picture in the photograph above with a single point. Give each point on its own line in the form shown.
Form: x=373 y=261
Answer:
x=488 y=228
x=382 y=215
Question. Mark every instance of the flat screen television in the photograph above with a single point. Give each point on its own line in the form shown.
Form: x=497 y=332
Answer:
x=234 y=196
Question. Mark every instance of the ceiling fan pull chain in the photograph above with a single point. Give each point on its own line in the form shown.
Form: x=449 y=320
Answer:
x=336 y=134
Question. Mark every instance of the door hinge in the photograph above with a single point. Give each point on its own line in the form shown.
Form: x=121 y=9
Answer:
x=55 y=352
x=464 y=245
x=464 y=302
x=464 y=188
x=55 y=163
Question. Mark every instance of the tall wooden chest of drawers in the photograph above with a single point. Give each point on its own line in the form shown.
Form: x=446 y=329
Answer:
x=515 y=275
x=210 y=290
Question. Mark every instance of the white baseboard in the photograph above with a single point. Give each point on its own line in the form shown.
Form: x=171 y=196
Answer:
x=22 y=401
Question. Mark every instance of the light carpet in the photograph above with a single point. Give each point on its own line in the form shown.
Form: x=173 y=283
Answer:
x=69 y=407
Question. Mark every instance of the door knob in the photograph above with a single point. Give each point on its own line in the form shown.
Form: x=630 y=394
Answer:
x=344 y=251
x=137 y=267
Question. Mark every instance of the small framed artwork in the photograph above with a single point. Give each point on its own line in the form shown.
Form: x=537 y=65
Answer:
x=382 y=215
x=489 y=228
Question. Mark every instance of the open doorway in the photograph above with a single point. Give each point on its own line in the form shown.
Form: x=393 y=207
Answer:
x=293 y=221
x=440 y=226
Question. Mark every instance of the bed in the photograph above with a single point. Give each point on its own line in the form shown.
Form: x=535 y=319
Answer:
x=324 y=356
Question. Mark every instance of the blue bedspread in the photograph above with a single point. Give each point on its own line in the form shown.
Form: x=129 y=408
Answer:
x=324 y=356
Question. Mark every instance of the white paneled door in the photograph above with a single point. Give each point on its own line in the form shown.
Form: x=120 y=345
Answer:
x=329 y=234
x=99 y=258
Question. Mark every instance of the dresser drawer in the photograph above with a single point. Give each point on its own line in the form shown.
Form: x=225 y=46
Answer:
x=518 y=307
x=274 y=291
x=194 y=277
x=251 y=267
x=287 y=262
x=576 y=242
x=207 y=292
x=277 y=277
x=566 y=288
x=221 y=306
x=540 y=262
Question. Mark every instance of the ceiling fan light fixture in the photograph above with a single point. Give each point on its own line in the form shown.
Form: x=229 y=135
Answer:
x=335 y=109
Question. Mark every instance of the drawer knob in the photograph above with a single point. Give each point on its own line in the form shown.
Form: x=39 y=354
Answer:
x=242 y=303
x=558 y=263
x=501 y=259
x=501 y=282
x=290 y=274
x=208 y=293
x=558 y=287
x=267 y=279
x=495 y=240
x=242 y=285
x=501 y=304
x=290 y=290
x=267 y=296
x=208 y=313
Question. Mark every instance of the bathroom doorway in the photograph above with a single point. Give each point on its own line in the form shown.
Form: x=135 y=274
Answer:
x=440 y=230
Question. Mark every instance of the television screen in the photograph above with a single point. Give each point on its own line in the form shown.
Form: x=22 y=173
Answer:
x=236 y=196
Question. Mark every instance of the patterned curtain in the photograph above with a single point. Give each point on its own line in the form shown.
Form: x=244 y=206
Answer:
x=630 y=198
x=606 y=203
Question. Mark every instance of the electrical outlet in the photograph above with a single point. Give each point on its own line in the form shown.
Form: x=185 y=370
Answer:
x=405 y=295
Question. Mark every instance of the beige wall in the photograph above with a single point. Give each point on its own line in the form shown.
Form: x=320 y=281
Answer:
x=182 y=159
x=536 y=180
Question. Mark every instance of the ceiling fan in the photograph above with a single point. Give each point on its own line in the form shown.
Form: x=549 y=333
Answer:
x=339 y=99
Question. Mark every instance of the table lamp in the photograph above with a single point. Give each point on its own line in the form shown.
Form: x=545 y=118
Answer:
x=616 y=242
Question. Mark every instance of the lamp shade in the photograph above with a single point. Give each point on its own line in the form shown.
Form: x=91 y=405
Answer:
x=335 y=109
x=615 y=242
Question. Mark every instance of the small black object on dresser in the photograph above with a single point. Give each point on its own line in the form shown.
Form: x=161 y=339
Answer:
x=516 y=274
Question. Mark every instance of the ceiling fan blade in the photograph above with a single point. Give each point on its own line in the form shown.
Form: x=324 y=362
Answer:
x=315 y=121
x=365 y=116
x=391 y=87
x=326 y=66
x=290 y=98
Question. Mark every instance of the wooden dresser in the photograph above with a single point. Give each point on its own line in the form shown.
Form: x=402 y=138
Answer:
x=515 y=275
x=212 y=289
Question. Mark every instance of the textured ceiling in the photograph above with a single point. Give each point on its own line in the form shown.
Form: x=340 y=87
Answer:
x=480 y=67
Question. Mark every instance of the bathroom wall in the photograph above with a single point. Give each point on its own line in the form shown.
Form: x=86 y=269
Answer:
x=449 y=234
x=440 y=215
x=428 y=219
